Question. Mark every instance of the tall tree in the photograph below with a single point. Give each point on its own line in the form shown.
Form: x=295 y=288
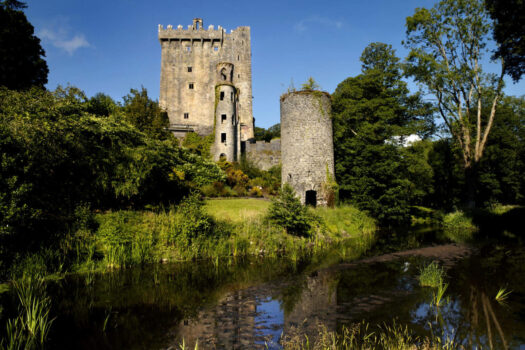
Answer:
x=145 y=114
x=447 y=45
x=21 y=57
x=509 y=32
x=373 y=115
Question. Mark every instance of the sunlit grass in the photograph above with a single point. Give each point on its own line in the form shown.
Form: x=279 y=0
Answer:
x=502 y=295
x=361 y=336
x=431 y=275
x=237 y=210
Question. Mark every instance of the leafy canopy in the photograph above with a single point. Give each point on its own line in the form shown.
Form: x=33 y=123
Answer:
x=373 y=114
x=22 y=63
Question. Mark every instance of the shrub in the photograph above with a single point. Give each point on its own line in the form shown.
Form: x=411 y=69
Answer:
x=192 y=219
x=459 y=227
x=287 y=211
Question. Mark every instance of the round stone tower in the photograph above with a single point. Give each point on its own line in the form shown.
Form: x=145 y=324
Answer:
x=307 y=146
x=226 y=122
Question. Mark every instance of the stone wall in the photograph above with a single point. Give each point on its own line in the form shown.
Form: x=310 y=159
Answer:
x=264 y=154
x=190 y=56
x=307 y=144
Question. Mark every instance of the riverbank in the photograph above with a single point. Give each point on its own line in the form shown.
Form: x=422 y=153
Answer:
x=213 y=230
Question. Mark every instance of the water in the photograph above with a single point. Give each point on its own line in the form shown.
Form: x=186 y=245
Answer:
x=252 y=303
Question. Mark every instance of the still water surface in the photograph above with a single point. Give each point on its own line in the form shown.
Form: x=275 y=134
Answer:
x=252 y=303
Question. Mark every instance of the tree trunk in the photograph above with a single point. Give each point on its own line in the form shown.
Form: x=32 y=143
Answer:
x=471 y=179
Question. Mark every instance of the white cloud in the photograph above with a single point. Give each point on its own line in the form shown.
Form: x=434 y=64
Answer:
x=305 y=23
x=62 y=39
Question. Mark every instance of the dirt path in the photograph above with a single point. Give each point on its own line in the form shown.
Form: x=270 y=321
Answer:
x=447 y=254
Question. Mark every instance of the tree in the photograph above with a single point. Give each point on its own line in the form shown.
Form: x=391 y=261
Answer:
x=145 y=114
x=373 y=114
x=101 y=105
x=447 y=44
x=21 y=57
x=501 y=169
x=287 y=211
x=509 y=17
x=262 y=134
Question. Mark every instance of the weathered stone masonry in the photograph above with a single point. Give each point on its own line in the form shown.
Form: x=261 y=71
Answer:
x=307 y=147
x=188 y=77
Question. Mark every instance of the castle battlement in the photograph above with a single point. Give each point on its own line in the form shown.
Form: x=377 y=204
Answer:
x=196 y=32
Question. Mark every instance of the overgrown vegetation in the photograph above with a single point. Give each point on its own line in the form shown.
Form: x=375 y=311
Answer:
x=57 y=157
x=30 y=329
x=362 y=336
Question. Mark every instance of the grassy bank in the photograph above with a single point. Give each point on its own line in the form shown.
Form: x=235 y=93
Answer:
x=214 y=230
x=237 y=210
x=471 y=225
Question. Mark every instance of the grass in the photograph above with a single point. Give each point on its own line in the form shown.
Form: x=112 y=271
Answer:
x=361 y=336
x=438 y=294
x=431 y=275
x=219 y=230
x=502 y=295
x=237 y=210
x=31 y=328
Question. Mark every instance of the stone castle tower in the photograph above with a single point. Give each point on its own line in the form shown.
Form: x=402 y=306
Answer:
x=307 y=146
x=196 y=65
x=227 y=128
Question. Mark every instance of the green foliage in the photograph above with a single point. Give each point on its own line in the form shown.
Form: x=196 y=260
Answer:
x=193 y=221
x=31 y=328
x=102 y=105
x=502 y=295
x=262 y=134
x=459 y=227
x=431 y=275
x=347 y=221
x=447 y=44
x=310 y=85
x=200 y=145
x=371 y=113
x=145 y=114
x=22 y=63
x=55 y=157
x=508 y=33
x=361 y=336
x=287 y=211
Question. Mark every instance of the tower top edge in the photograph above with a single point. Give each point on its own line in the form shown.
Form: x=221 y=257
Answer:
x=195 y=28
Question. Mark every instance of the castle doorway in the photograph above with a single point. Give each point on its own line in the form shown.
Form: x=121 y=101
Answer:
x=310 y=198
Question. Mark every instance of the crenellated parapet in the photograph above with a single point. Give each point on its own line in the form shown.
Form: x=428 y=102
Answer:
x=196 y=31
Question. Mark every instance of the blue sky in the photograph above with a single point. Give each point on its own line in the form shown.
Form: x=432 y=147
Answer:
x=111 y=46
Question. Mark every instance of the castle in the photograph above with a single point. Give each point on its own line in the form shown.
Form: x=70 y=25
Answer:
x=206 y=84
x=206 y=88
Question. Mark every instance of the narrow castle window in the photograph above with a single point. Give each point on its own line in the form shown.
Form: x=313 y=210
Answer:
x=186 y=115
x=223 y=137
x=190 y=69
x=231 y=97
x=222 y=95
x=238 y=75
x=223 y=118
x=238 y=58
x=191 y=86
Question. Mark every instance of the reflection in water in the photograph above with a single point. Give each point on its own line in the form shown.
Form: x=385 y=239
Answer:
x=252 y=304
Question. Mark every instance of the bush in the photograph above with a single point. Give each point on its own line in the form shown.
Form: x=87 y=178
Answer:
x=287 y=211
x=192 y=219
